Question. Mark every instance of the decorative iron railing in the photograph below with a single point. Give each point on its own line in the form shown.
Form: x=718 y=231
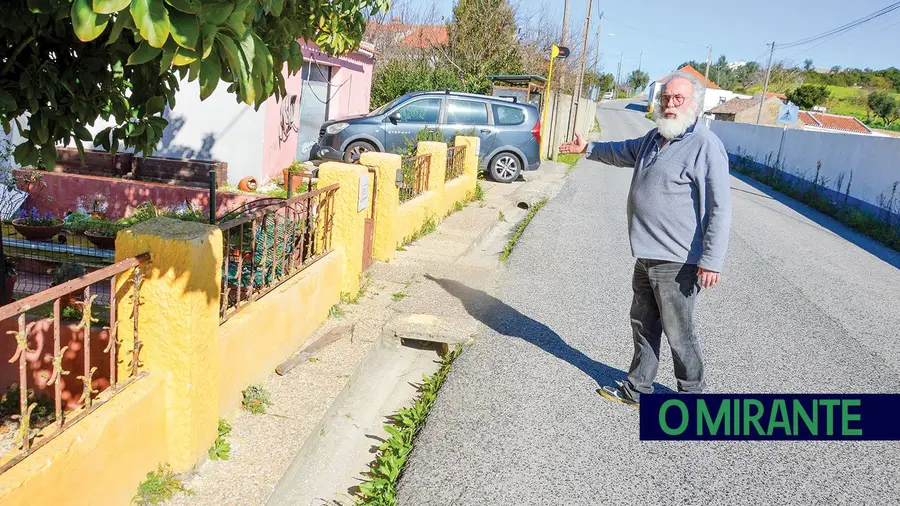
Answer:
x=456 y=162
x=416 y=172
x=80 y=313
x=268 y=241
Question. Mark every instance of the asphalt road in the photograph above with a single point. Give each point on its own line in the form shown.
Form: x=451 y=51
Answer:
x=805 y=305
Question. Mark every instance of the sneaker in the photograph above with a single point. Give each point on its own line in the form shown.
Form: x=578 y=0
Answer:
x=616 y=393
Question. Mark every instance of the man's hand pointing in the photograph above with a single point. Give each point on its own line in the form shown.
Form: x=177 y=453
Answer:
x=577 y=146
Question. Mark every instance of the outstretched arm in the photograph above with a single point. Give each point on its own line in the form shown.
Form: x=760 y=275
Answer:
x=619 y=154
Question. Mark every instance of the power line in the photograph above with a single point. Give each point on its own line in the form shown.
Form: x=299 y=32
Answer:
x=841 y=29
x=870 y=35
x=655 y=34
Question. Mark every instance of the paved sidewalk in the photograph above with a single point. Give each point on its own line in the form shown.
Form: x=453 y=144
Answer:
x=263 y=446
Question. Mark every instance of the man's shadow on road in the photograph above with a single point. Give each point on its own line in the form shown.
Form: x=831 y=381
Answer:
x=507 y=321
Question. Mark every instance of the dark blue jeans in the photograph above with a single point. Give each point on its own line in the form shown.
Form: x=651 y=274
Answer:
x=664 y=297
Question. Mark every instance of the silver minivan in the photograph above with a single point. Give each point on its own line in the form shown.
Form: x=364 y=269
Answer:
x=510 y=132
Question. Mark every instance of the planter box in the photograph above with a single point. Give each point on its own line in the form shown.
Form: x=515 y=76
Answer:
x=96 y=162
x=179 y=171
x=174 y=171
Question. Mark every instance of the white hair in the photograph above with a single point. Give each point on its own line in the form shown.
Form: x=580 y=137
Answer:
x=671 y=128
x=696 y=86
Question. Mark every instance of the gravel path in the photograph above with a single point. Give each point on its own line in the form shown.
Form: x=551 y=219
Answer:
x=805 y=305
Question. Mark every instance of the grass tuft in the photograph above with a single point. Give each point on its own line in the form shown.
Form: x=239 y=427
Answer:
x=336 y=311
x=256 y=399
x=515 y=238
x=221 y=449
x=160 y=486
x=384 y=473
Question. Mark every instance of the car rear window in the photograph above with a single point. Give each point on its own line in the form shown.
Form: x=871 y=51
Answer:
x=504 y=115
x=466 y=112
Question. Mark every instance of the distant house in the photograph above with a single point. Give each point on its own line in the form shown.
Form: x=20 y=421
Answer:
x=398 y=34
x=713 y=97
x=822 y=122
x=745 y=110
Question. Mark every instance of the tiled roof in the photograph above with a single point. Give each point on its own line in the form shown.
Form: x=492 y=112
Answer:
x=699 y=75
x=412 y=36
x=833 y=122
x=734 y=106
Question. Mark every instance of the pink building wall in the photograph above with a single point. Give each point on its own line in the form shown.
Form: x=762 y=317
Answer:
x=280 y=145
x=352 y=72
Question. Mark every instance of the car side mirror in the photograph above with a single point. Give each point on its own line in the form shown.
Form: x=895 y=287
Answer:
x=394 y=118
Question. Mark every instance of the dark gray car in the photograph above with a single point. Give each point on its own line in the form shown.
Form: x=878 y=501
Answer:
x=510 y=132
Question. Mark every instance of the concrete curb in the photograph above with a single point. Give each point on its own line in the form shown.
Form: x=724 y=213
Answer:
x=327 y=463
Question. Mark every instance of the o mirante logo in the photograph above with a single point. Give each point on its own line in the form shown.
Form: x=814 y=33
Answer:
x=770 y=417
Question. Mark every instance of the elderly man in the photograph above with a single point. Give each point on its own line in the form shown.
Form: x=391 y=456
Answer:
x=679 y=216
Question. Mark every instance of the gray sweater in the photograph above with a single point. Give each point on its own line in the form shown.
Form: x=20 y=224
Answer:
x=679 y=205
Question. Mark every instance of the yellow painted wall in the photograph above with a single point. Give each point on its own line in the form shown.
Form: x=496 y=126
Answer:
x=387 y=202
x=349 y=221
x=412 y=214
x=461 y=189
x=255 y=340
x=99 y=460
x=178 y=325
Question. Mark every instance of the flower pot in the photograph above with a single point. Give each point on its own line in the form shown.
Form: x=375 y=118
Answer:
x=248 y=184
x=35 y=233
x=296 y=180
x=100 y=240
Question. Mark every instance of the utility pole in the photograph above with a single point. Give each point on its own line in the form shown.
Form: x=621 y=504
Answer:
x=640 y=61
x=599 y=34
x=618 y=76
x=762 y=99
x=706 y=76
x=579 y=81
x=564 y=42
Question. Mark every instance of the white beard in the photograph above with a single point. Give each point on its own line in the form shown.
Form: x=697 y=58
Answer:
x=673 y=127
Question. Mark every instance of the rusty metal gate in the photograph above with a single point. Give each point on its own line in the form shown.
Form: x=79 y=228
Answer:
x=369 y=229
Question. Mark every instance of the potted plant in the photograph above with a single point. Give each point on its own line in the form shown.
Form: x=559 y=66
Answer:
x=104 y=237
x=35 y=227
x=67 y=271
x=298 y=172
x=10 y=279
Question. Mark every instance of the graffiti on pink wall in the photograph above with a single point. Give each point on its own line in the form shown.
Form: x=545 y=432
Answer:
x=351 y=79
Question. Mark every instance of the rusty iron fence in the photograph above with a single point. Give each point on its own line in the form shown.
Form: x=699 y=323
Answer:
x=268 y=241
x=456 y=162
x=74 y=310
x=416 y=171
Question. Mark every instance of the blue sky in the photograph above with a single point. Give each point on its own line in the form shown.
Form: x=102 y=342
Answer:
x=669 y=33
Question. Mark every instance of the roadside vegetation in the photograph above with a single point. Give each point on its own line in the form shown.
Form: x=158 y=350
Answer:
x=515 y=238
x=380 y=489
x=159 y=486
x=256 y=400
x=881 y=227
x=569 y=159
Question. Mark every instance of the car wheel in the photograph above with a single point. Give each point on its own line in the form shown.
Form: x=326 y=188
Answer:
x=505 y=168
x=356 y=149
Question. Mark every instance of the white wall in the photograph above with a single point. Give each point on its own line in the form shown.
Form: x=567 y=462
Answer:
x=873 y=160
x=233 y=131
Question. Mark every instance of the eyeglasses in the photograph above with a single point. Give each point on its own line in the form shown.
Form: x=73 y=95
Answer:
x=676 y=100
